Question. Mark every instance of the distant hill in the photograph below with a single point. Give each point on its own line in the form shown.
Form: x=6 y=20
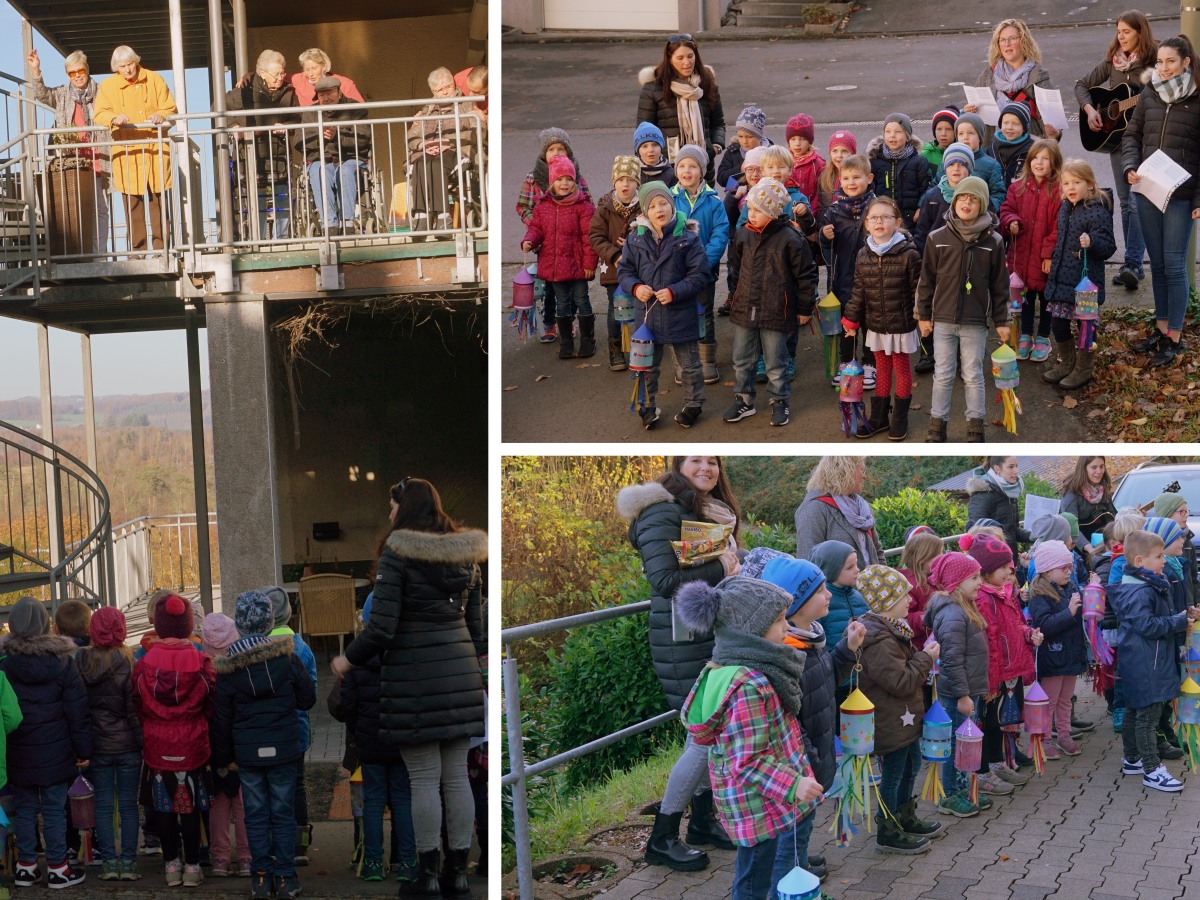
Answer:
x=167 y=411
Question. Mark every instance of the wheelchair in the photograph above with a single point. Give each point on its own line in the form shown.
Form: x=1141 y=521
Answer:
x=368 y=206
x=464 y=206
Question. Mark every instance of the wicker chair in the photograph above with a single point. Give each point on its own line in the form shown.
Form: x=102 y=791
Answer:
x=327 y=607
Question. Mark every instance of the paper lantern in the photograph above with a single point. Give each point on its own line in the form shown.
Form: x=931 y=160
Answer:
x=641 y=361
x=1004 y=371
x=622 y=307
x=1093 y=612
x=1191 y=662
x=937 y=734
x=81 y=797
x=524 y=314
x=1187 y=713
x=1037 y=724
x=703 y=323
x=1016 y=299
x=857 y=771
x=850 y=396
x=829 y=321
x=1008 y=716
x=968 y=755
x=798 y=884
x=1087 y=308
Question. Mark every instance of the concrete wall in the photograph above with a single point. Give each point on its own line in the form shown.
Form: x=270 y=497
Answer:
x=529 y=16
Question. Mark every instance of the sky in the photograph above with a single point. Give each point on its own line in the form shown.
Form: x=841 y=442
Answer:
x=147 y=363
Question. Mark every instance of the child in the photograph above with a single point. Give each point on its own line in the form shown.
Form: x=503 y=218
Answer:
x=970 y=130
x=774 y=290
x=777 y=164
x=558 y=233
x=735 y=202
x=1029 y=219
x=614 y=217
x=842 y=145
x=1173 y=539
x=807 y=163
x=893 y=675
x=921 y=548
x=953 y=620
x=751 y=131
x=842 y=236
x=838 y=561
x=650 y=147
x=744 y=708
x=51 y=744
x=106 y=667
x=963 y=284
x=71 y=620
x=1012 y=141
x=885 y=282
x=664 y=268
x=899 y=169
x=261 y=683
x=957 y=163
x=1085 y=235
x=10 y=718
x=943 y=136
x=1149 y=668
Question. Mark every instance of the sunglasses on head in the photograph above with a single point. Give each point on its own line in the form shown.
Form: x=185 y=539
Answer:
x=677 y=38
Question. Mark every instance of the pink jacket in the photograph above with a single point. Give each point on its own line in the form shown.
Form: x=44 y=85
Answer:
x=805 y=174
x=558 y=232
x=916 y=610
x=172 y=691
x=1009 y=653
x=1035 y=207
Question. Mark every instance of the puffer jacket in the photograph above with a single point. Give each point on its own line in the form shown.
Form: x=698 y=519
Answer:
x=841 y=253
x=986 y=501
x=904 y=180
x=1037 y=76
x=1095 y=217
x=824 y=670
x=609 y=226
x=893 y=677
x=884 y=289
x=1033 y=205
x=172 y=691
x=1147 y=633
x=846 y=604
x=1008 y=636
x=707 y=211
x=663 y=111
x=309 y=660
x=427 y=623
x=558 y=232
x=1092 y=517
x=359 y=704
x=56 y=728
x=675 y=261
x=1174 y=129
x=730 y=168
x=655 y=517
x=932 y=152
x=1063 y=652
x=951 y=261
x=116 y=728
x=773 y=278
x=1011 y=157
x=964 y=648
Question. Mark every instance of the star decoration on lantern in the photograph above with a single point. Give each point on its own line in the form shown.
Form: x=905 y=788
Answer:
x=602 y=268
x=908 y=718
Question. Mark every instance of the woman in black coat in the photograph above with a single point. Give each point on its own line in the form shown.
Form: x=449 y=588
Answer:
x=680 y=96
x=1087 y=494
x=993 y=491
x=427 y=624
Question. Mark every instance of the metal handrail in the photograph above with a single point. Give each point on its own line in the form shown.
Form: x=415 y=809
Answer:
x=143 y=563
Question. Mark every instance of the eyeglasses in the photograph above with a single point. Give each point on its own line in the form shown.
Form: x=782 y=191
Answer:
x=880 y=219
x=676 y=38
x=73 y=72
x=1009 y=40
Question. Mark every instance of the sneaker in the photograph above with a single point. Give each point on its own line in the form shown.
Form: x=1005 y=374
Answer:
x=650 y=417
x=220 y=868
x=192 y=876
x=1132 y=767
x=1160 y=780
x=372 y=870
x=174 y=873
x=287 y=886
x=1118 y=719
x=868 y=377
x=405 y=872
x=1024 y=346
x=958 y=805
x=985 y=802
x=63 y=876
x=260 y=887
x=740 y=410
x=1041 y=350
x=1050 y=749
x=991 y=783
x=1168 y=751
x=1069 y=747
x=549 y=335
x=760 y=371
x=26 y=874
x=687 y=416
x=129 y=870
x=244 y=869
x=1127 y=278
x=110 y=870
x=779 y=412
x=1012 y=776
x=150 y=845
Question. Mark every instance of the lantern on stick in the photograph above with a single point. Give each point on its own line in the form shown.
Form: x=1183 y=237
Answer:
x=799 y=884
x=1037 y=724
x=936 y=733
x=850 y=396
x=1187 y=713
x=623 y=315
x=524 y=314
x=356 y=810
x=641 y=361
x=1008 y=715
x=857 y=770
x=1093 y=612
x=1087 y=308
x=1004 y=371
x=968 y=755
x=1016 y=298
x=829 y=321
x=81 y=797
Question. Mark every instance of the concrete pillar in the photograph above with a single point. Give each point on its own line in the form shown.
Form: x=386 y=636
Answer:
x=243 y=447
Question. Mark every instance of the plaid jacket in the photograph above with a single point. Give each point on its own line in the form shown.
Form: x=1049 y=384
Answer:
x=755 y=756
x=531 y=193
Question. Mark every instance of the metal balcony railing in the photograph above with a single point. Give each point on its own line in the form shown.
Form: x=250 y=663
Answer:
x=153 y=552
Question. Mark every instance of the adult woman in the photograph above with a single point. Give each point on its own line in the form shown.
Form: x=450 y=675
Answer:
x=1087 y=494
x=993 y=491
x=1014 y=68
x=435 y=140
x=426 y=624
x=680 y=96
x=1167 y=118
x=315 y=65
x=695 y=489
x=834 y=509
x=141 y=170
x=1129 y=61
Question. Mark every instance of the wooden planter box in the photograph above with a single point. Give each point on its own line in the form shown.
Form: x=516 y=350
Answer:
x=71 y=211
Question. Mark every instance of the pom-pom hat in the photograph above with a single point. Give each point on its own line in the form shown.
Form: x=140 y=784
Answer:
x=739 y=604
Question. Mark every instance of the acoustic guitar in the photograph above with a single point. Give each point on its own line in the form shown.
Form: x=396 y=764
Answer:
x=1115 y=106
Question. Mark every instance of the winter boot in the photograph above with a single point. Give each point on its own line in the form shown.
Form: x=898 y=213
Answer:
x=664 y=848
x=911 y=823
x=898 y=430
x=1065 y=364
x=587 y=337
x=1081 y=374
x=892 y=839
x=427 y=883
x=708 y=363
x=1150 y=344
x=975 y=431
x=704 y=827
x=937 y=431
x=566 y=337
x=617 y=360
x=1082 y=724
x=454 y=874
x=877 y=421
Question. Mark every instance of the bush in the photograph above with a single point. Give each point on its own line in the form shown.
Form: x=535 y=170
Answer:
x=894 y=515
x=1037 y=487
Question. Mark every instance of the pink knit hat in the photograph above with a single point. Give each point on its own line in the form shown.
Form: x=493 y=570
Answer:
x=950 y=570
x=219 y=632
x=844 y=138
x=988 y=550
x=1050 y=555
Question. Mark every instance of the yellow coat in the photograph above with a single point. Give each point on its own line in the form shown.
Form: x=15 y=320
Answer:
x=143 y=166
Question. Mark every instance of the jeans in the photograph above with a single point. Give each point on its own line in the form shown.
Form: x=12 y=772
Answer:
x=441 y=764
x=791 y=850
x=952 y=779
x=687 y=355
x=614 y=327
x=708 y=298
x=1167 y=235
x=747 y=344
x=269 y=800
x=223 y=812
x=950 y=342
x=1131 y=225
x=898 y=773
x=335 y=189
x=571 y=298
x=688 y=776
x=387 y=785
x=116 y=779
x=752 y=870
x=51 y=802
x=1139 y=738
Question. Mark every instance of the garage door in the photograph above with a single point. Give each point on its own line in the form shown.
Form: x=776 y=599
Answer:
x=614 y=15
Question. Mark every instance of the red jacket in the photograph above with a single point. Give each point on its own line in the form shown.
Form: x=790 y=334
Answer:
x=916 y=610
x=1035 y=207
x=805 y=173
x=172 y=690
x=558 y=232
x=1009 y=653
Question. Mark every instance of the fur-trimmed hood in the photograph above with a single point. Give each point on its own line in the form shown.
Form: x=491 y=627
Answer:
x=271 y=649
x=38 y=645
x=632 y=501
x=646 y=74
x=453 y=548
x=875 y=147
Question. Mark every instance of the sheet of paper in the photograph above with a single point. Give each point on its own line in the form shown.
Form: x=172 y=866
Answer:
x=1160 y=175
x=1039 y=506
x=1050 y=105
x=985 y=100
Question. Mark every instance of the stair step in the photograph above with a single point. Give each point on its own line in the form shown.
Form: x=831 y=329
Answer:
x=112 y=272
x=770 y=22
x=23 y=581
x=772 y=8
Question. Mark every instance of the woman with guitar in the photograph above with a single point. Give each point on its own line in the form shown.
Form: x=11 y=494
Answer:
x=1014 y=68
x=1126 y=69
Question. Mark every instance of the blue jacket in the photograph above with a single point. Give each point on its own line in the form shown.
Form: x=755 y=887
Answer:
x=709 y=213
x=1146 y=639
x=675 y=261
x=841 y=253
x=310 y=665
x=846 y=603
x=1063 y=652
x=991 y=172
x=1095 y=217
x=933 y=215
x=904 y=180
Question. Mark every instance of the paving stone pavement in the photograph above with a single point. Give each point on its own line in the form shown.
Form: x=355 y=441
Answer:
x=1079 y=832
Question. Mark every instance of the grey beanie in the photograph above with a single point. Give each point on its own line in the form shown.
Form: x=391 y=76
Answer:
x=753 y=120
x=28 y=618
x=738 y=603
x=252 y=613
x=281 y=606
x=548 y=136
x=900 y=119
x=975 y=122
x=691 y=151
x=1051 y=527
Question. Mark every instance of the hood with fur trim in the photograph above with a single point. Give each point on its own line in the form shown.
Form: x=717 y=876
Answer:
x=875 y=147
x=976 y=484
x=646 y=74
x=267 y=650
x=453 y=548
x=632 y=501
x=37 y=645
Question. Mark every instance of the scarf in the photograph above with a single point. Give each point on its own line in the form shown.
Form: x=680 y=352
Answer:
x=1092 y=493
x=570 y=200
x=858 y=515
x=1172 y=90
x=1176 y=567
x=903 y=153
x=970 y=233
x=1154 y=579
x=855 y=206
x=803 y=639
x=1011 y=491
x=687 y=103
x=884 y=248
x=781 y=665
x=720 y=514
x=1007 y=79
x=1123 y=62
x=900 y=626
x=947 y=190
x=84 y=97
x=626 y=211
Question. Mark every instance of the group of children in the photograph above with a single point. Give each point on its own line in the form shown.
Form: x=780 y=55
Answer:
x=920 y=242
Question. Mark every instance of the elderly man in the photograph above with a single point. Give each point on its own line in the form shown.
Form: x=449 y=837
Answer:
x=435 y=140
x=335 y=154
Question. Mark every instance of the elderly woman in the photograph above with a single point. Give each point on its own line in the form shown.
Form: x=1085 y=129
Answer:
x=74 y=106
x=140 y=171
x=1014 y=68
x=315 y=65
x=435 y=140
x=833 y=509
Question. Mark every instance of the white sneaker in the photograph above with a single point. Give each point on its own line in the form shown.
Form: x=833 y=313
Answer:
x=1133 y=767
x=1162 y=780
x=868 y=378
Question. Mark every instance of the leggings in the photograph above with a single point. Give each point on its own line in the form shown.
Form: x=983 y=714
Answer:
x=1035 y=304
x=171 y=827
x=885 y=365
x=688 y=776
x=1062 y=329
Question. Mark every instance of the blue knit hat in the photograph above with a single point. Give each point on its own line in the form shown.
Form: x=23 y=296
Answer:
x=648 y=131
x=253 y=613
x=1167 y=529
x=1018 y=109
x=798 y=577
x=959 y=153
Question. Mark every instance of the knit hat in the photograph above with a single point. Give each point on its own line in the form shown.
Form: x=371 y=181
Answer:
x=988 y=550
x=1166 y=505
x=801 y=125
x=219 y=632
x=974 y=187
x=107 y=628
x=28 y=618
x=1167 y=529
x=560 y=166
x=959 y=153
x=1073 y=524
x=882 y=587
x=1051 y=555
x=281 y=606
x=757 y=559
x=645 y=133
x=626 y=167
x=830 y=557
x=753 y=120
x=252 y=613
x=1050 y=527
x=738 y=603
x=900 y=119
x=950 y=570
x=548 y=136
x=768 y=197
x=798 y=577
x=947 y=114
x=917 y=529
x=845 y=139
x=975 y=122
x=985 y=522
x=1018 y=109
x=649 y=191
x=693 y=152
x=173 y=617
x=754 y=157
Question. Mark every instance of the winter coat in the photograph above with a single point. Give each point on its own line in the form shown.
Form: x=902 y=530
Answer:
x=1066 y=266
x=1092 y=516
x=1063 y=652
x=773 y=278
x=609 y=226
x=845 y=605
x=893 y=678
x=755 y=755
x=884 y=289
x=986 y=501
x=663 y=111
x=55 y=727
x=309 y=660
x=948 y=264
x=1137 y=78
x=708 y=212
x=655 y=518
x=932 y=152
x=558 y=232
x=818 y=520
x=824 y=670
x=930 y=217
x=359 y=706
x=272 y=157
x=137 y=168
x=1009 y=653
x=349 y=141
x=1034 y=207
x=436 y=121
x=964 y=648
x=531 y=191
x=1011 y=157
x=806 y=174
x=259 y=689
x=427 y=623
x=841 y=253
x=1026 y=94
x=989 y=170
x=731 y=165
x=172 y=691
x=904 y=180
x=1175 y=130
x=116 y=728
x=916 y=609
x=64 y=117
x=1147 y=631
x=675 y=261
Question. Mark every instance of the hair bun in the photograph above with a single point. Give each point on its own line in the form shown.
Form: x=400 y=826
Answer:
x=175 y=606
x=966 y=542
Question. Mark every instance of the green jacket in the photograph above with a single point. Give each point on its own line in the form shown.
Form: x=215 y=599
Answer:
x=10 y=718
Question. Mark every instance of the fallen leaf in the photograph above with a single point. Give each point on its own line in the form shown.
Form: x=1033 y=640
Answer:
x=1003 y=857
x=1096 y=413
x=1141 y=421
x=511 y=387
x=1179 y=416
x=584 y=366
x=1070 y=402
x=541 y=378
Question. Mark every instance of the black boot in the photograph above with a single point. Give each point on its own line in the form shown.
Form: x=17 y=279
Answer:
x=898 y=430
x=1081 y=724
x=911 y=823
x=617 y=360
x=664 y=848
x=892 y=839
x=566 y=337
x=877 y=422
x=587 y=336
x=975 y=433
x=704 y=827
x=454 y=874
x=426 y=883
